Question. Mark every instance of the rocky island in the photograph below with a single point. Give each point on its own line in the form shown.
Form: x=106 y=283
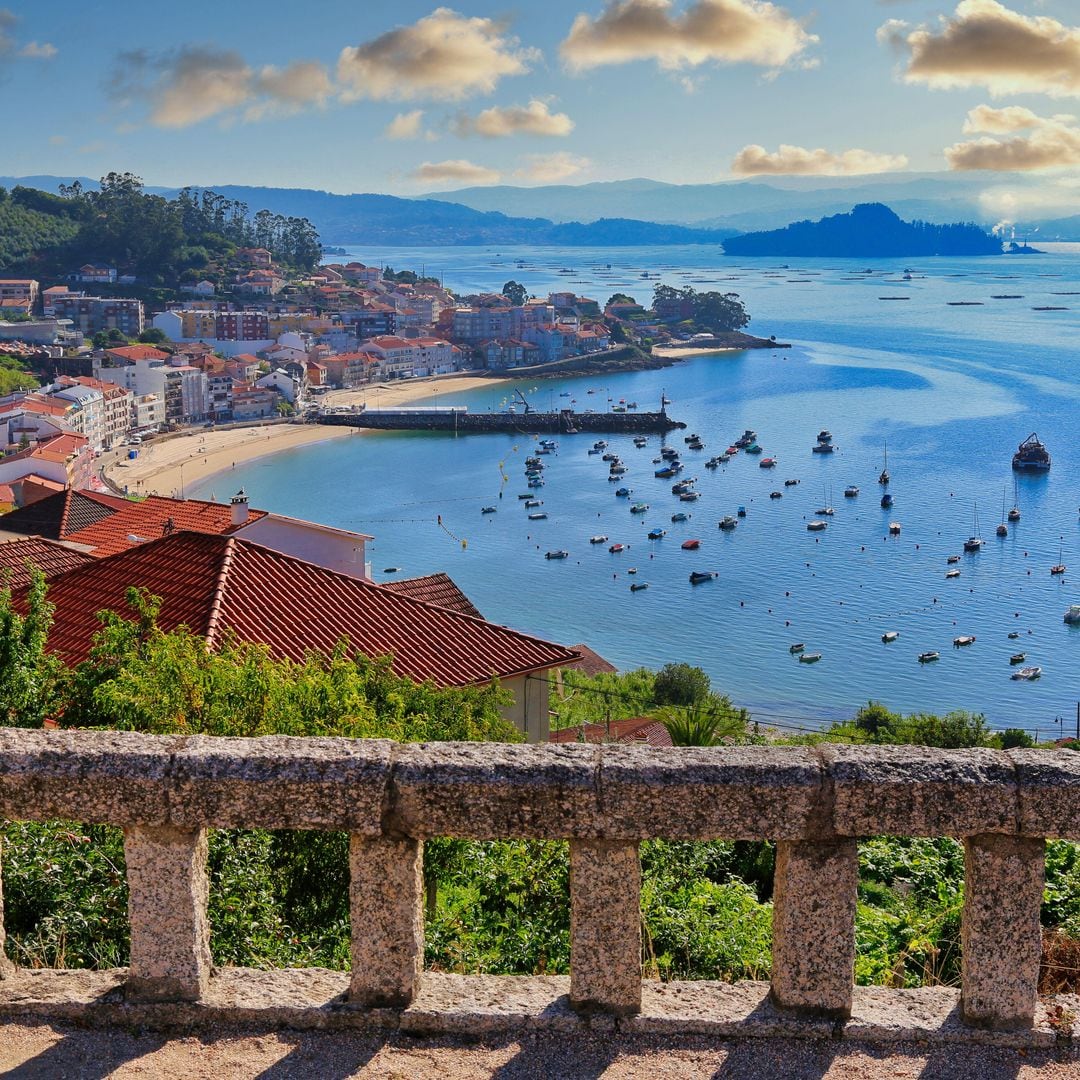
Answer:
x=870 y=230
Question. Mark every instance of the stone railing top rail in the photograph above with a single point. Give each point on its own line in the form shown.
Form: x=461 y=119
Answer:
x=377 y=787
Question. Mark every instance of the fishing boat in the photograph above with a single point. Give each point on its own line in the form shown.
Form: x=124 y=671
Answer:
x=894 y=528
x=690 y=496
x=890 y=636
x=929 y=657
x=790 y=483
x=1027 y=674
x=974 y=542
x=712 y=463
x=669 y=453
x=809 y=657
x=886 y=501
x=679 y=517
x=747 y=438
x=1031 y=454
x=952 y=559
x=549 y=444
x=593 y=450
x=691 y=545
x=816 y=526
x=536 y=483
x=683 y=486
x=727 y=523
x=823 y=448
x=697 y=444
x=731 y=451
x=624 y=492
x=557 y=555
x=488 y=510
x=1017 y=658
x=640 y=441
x=796 y=648
x=851 y=491
x=1059 y=566
x=824 y=436
x=691 y=438
x=610 y=457
x=530 y=503
x=656 y=534
x=599 y=445
x=1014 y=513
x=963 y=640
x=540 y=516
x=753 y=448
x=637 y=586
x=698 y=576
x=666 y=473
x=616 y=548
x=639 y=508
x=597 y=539
x=723 y=459
x=616 y=470
x=1072 y=616
x=952 y=573
x=767 y=463
x=527 y=495
x=883 y=476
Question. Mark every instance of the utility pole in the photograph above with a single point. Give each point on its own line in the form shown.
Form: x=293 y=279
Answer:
x=1078 y=721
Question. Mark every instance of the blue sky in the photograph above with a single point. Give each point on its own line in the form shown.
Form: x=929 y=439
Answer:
x=409 y=97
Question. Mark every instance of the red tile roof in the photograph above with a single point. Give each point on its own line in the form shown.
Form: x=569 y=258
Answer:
x=642 y=729
x=437 y=589
x=592 y=663
x=138 y=352
x=47 y=556
x=216 y=585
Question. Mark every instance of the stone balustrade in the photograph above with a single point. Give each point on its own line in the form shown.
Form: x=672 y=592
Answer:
x=815 y=803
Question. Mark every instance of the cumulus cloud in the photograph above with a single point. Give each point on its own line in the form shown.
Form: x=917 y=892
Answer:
x=456 y=171
x=9 y=45
x=409 y=125
x=443 y=56
x=1048 y=143
x=194 y=83
x=722 y=31
x=986 y=44
x=551 y=168
x=498 y=122
x=755 y=160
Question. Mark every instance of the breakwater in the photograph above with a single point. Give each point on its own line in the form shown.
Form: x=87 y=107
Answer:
x=460 y=422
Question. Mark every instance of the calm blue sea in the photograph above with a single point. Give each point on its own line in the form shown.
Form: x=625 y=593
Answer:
x=952 y=389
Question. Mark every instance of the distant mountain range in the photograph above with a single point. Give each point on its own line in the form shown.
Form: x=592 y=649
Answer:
x=871 y=230
x=636 y=211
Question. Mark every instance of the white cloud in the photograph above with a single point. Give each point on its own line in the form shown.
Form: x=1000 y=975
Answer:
x=1048 y=143
x=986 y=44
x=755 y=160
x=38 y=50
x=722 y=31
x=498 y=121
x=457 y=171
x=551 y=168
x=443 y=56
x=195 y=83
x=406 y=125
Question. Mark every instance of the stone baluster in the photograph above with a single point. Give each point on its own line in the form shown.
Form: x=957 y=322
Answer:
x=813 y=957
x=168 y=891
x=1001 y=940
x=605 y=927
x=386 y=910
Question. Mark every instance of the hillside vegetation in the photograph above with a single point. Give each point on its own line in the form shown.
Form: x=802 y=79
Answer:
x=24 y=232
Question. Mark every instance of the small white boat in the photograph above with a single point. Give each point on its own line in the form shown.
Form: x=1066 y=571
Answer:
x=962 y=640
x=489 y=510
x=851 y=491
x=796 y=648
x=809 y=657
x=557 y=555
x=890 y=636
x=929 y=657
x=541 y=516
x=894 y=528
x=597 y=539
x=952 y=573
x=953 y=559
x=816 y=526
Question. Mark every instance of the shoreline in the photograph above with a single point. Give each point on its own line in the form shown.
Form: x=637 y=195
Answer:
x=170 y=466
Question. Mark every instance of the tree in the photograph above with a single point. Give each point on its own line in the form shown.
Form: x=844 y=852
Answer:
x=680 y=684
x=30 y=677
x=1016 y=738
x=152 y=335
x=704 y=723
x=619 y=298
x=515 y=293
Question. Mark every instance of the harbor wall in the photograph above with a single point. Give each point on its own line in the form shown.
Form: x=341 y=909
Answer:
x=545 y=423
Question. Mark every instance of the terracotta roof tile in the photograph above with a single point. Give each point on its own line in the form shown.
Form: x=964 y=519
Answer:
x=217 y=584
x=437 y=589
x=47 y=556
x=641 y=729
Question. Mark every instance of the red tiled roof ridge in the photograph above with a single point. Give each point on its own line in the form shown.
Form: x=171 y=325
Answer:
x=218 y=600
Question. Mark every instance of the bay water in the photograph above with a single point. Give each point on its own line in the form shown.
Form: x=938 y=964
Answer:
x=950 y=378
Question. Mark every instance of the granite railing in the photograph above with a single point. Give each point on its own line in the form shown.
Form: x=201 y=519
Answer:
x=815 y=803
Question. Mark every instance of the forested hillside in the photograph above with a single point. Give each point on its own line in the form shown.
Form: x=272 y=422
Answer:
x=24 y=231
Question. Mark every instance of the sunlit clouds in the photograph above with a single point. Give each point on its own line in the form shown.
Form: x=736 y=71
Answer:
x=455 y=171
x=755 y=160
x=704 y=31
x=1037 y=142
x=499 y=122
x=551 y=168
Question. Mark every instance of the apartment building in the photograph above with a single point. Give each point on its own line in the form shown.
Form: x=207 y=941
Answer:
x=94 y=314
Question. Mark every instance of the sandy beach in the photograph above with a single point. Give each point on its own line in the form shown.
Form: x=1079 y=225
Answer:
x=671 y=352
x=171 y=466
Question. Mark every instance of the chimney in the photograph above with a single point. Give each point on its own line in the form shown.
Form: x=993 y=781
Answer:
x=239 y=503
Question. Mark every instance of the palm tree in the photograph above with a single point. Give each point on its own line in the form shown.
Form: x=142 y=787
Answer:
x=701 y=724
